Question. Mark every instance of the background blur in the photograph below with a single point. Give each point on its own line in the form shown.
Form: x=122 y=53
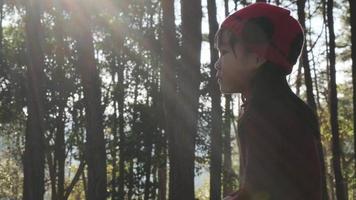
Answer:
x=117 y=99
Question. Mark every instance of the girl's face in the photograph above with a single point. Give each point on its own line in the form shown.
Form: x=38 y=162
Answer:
x=235 y=66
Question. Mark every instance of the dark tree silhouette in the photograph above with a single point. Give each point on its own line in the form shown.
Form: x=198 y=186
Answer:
x=169 y=95
x=95 y=147
x=353 y=57
x=34 y=146
x=216 y=132
x=304 y=61
x=339 y=181
x=188 y=99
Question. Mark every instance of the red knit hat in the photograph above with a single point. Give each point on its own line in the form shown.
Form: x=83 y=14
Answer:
x=285 y=32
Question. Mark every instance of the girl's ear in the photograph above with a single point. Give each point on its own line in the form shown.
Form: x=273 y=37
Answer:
x=259 y=59
x=256 y=60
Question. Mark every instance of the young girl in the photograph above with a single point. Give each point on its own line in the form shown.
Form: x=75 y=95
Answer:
x=278 y=132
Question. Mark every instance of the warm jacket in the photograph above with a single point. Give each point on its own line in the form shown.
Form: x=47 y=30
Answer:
x=278 y=136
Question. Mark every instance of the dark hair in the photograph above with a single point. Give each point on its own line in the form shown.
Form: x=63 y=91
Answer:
x=257 y=30
x=269 y=80
x=219 y=37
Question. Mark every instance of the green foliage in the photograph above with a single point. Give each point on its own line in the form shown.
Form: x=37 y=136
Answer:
x=10 y=176
x=202 y=193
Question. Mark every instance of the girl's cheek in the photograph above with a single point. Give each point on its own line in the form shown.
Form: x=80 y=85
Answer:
x=223 y=62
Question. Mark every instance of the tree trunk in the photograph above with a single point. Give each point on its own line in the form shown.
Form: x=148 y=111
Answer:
x=59 y=140
x=345 y=166
x=1 y=33
x=226 y=7
x=304 y=60
x=119 y=96
x=52 y=173
x=188 y=99
x=155 y=183
x=95 y=146
x=34 y=157
x=122 y=143
x=340 y=189
x=118 y=36
x=114 y=132
x=130 y=174
x=80 y=171
x=130 y=180
x=122 y=137
x=228 y=172
x=149 y=127
x=298 y=81
x=85 y=185
x=216 y=138
x=310 y=42
x=353 y=57
x=60 y=153
x=169 y=94
x=317 y=90
x=162 y=174
x=331 y=183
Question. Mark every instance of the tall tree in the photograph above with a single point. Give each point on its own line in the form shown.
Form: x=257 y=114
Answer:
x=339 y=181
x=304 y=61
x=34 y=145
x=118 y=115
x=114 y=143
x=63 y=95
x=117 y=71
x=121 y=99
x=169 y=95
x=119 y=52
x=228 y=173
x=188 y=99
x=226 y=7
x=95 y=147
x=1 y=32
x=148 y=131
x=298 y=80
x=216 y=133
x=134 y=130
x=353 y=57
